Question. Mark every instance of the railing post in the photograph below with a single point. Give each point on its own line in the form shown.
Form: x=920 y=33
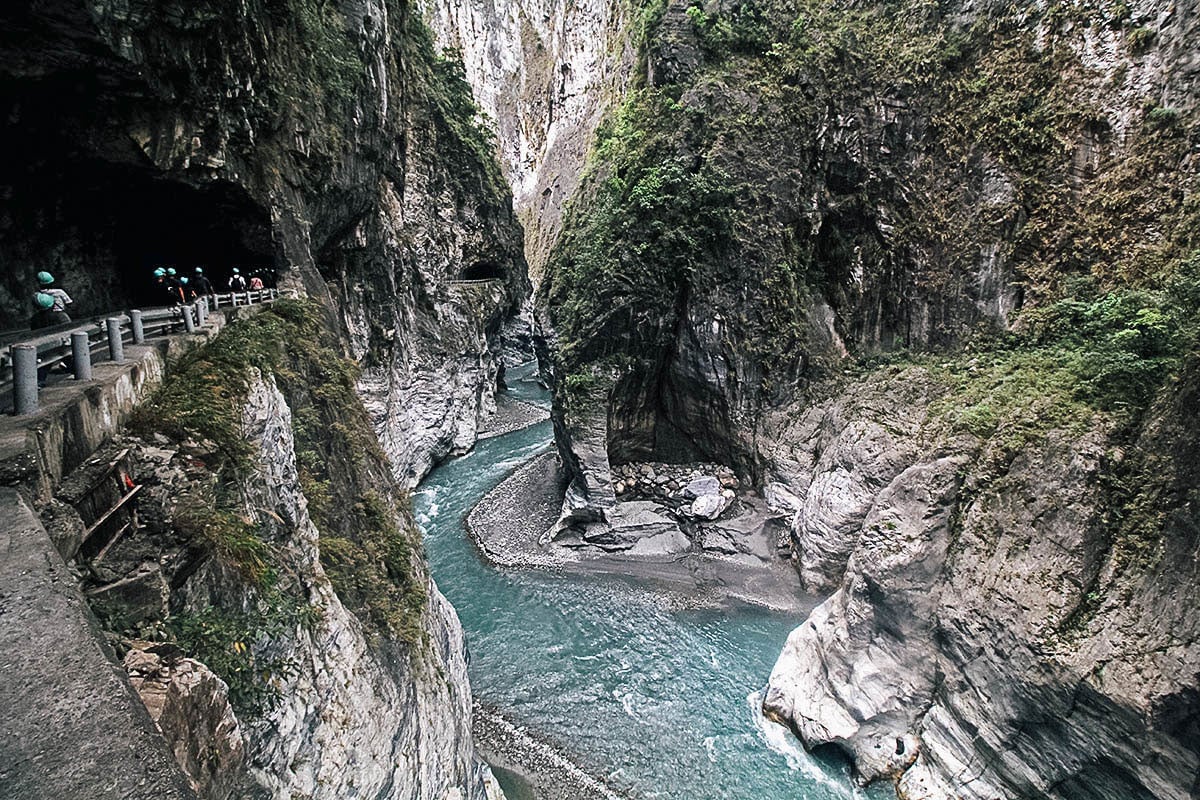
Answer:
x=135 y=322
x=189 y=324
x=249 y=299
x=116 y=347
x=81 y=354
x=25 y=378
x=202 y=311
x=216 y=298
x=233 y=299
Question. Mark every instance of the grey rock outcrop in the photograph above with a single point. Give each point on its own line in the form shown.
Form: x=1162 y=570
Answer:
x=970 y=648
x=348 y=708
x=190 y=706
x=354 y=716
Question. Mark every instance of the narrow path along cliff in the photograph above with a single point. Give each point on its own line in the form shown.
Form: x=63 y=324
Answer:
x=659 y=699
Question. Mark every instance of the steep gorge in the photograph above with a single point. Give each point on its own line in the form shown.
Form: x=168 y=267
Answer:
x=926 y=275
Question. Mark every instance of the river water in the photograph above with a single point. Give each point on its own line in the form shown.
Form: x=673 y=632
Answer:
x=661 y=703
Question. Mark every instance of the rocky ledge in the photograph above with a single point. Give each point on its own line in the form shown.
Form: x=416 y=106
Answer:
x=653 y=534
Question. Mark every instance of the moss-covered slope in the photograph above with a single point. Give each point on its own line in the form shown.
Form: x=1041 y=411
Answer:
x=796 y=182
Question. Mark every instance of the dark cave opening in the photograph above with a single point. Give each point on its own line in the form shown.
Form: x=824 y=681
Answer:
x=483 y=271
x=79 y=199
x=102 y=229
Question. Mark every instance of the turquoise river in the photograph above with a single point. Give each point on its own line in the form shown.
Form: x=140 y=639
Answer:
x=661 y=703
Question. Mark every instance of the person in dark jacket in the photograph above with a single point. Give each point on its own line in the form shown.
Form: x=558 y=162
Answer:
x=174 y=287
x=236 y=282
x=201 y=284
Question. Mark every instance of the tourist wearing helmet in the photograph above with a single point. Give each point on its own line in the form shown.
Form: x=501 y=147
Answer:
x=175 y=291
x=236 y=282
x=61 y=298
x=201 y=284
x=44 y=316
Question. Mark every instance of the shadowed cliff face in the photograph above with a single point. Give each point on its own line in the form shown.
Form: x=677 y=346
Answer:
x=792 y=184
x=329 y=143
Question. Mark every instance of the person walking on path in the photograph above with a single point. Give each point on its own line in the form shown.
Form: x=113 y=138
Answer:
x=256 y=283
x=163 y=285
x=175 y=286
x=236 y=282
x=44 y=316
x=201 y=284
x=60 y=297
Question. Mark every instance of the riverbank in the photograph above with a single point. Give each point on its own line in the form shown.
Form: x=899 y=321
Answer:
x=511 y=415
x=509 y=523
x=528 y=767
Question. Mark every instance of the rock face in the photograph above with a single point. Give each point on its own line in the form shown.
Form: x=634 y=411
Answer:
x=330 y=145
x=328 y=703
x=354 y=716
x=545 y=72
x=982 y=640
x=903 y=216
x=795 y=189
x=191 y=707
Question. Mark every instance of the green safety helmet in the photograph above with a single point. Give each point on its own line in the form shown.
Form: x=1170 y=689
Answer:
x=44 y=300
x=160 y=272
x=183 y=280
x=235 y=270
x=171 y=271
x=199 y=270
x=45 y=278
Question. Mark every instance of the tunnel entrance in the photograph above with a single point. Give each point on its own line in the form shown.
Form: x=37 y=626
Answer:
x=82 y=202
x=483 y=271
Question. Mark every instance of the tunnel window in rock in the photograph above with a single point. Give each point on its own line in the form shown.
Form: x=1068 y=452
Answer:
x=84 y=203
x=483 y=271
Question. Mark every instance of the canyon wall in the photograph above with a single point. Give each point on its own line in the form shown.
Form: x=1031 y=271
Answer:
x=545 y=72
x=929 y=275
x=329 y=144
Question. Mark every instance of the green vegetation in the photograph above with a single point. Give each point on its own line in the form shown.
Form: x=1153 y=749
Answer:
x=370 y=550
x=392 y=597
x=463 y=122
x=232 y=538
x=325 y=69
x=656 y=217
x=1089 y=353
x=732 y=184
x=238 y=646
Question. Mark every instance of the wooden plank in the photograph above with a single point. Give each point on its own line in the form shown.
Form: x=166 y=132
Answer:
x=132 y=492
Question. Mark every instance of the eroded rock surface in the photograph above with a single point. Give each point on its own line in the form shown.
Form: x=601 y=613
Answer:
x=969 y=649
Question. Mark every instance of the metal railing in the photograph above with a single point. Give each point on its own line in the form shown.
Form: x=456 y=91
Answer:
x=79 y=347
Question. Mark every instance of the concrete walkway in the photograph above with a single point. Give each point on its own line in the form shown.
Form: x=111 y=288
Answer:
x=71 y=728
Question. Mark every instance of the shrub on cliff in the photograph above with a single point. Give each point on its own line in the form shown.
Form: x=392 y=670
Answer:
x=369 y=548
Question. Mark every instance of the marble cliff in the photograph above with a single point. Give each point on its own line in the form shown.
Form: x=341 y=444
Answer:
x=925 y=274
x=274 y=610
